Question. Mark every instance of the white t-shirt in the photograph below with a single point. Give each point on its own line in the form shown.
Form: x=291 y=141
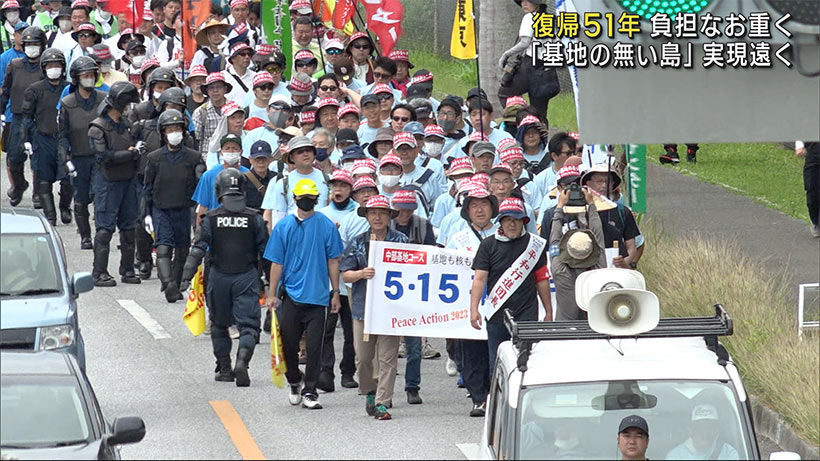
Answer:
x=466 y=239
x=526 y=31
x=275 y=197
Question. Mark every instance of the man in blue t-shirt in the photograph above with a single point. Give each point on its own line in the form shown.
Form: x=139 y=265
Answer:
x=204 y=194
x=304 y=250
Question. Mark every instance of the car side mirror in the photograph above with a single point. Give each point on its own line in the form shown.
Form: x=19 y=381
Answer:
x=82 y=282
x=784 y=455
x=127 y=429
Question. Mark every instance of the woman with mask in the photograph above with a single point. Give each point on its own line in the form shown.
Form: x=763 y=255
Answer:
x=171 y=174
x=324 y=142
x=10 y=11
x=107 y=24
x=278 y=117
x=231 y=122
x=133 y=60
x=390 y=168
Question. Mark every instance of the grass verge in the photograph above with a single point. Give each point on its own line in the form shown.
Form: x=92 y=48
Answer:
x=690 y=274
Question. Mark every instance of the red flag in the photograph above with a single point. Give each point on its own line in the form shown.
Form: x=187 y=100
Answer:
x=322 y=10
x=131 y=9
x=194 y=14
x=384 y=19
x=343 y=13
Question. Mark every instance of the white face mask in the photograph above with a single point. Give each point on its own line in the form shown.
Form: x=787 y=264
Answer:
x=138 y=60
x=87 y=83
x=389 y=181
x=65 y=25
x=105 y=68
x=175 y=138
x=54 y=73
x=433 y=149
x=231 y=158
x=32 y=51
x=104 y=15
x=13 y=16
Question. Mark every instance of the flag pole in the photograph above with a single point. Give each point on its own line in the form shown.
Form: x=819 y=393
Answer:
x=364 y=26
x=477 y=78
x=319 y=40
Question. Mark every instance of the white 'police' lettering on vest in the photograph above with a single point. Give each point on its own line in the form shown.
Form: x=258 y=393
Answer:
x=232 y=221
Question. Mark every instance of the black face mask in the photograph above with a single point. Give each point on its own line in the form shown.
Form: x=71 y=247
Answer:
x=343 y=204
x=306 y=203
x=321 y=154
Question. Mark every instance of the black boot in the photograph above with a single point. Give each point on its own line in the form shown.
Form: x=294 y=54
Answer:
x=223 y=370
x=671 y=155
x=144 y=246
x=102 y=247
x=127 y=249
x=47 y=201
x=83 y=225
x=66 y=195
x=18 y=179
x=691 y=153
x=180 y=255
x=243 y=358
x=164 y=272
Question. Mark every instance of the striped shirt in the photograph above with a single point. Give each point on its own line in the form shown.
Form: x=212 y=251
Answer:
x=205 y=124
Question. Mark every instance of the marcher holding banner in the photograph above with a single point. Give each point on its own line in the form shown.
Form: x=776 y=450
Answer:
x=356 y=270
x=512 y=266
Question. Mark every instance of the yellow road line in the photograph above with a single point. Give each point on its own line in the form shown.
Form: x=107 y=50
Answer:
x=236 y=429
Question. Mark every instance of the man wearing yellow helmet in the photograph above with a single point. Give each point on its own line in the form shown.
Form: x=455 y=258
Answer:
x=304 y=250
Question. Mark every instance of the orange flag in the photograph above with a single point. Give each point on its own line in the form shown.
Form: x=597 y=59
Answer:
x=194 y=13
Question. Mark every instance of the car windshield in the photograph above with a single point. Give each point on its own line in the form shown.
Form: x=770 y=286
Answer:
x=42 y=414
x=27 y=265
x=686 y=419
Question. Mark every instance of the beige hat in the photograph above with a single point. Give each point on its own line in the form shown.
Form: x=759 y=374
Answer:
x=579 y=249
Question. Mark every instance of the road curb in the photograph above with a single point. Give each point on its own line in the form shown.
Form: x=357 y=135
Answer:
x=771 y=425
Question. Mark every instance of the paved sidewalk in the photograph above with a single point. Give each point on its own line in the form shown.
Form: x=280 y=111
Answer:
x=685 y=204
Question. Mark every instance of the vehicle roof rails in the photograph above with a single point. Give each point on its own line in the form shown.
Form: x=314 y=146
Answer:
x=525 y=334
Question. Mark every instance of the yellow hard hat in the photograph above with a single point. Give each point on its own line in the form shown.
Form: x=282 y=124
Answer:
x=305 y=187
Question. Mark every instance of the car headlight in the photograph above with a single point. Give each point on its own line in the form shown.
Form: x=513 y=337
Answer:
x=56 y=337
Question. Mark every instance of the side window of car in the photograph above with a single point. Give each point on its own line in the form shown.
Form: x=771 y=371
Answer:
x=497 y=416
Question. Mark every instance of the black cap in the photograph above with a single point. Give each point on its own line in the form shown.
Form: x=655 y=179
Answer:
x=261 y=148
x=369 y=98
x=476 y=92
x=634 y=421
x=346 y=134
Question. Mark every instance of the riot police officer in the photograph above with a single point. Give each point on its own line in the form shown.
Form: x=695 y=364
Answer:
x=159 y=80
x=147 y=130
x=115 y=188
x=77 y=110
x=21 y=73
x=235 y=237
x=40 y=129
x=171 y=176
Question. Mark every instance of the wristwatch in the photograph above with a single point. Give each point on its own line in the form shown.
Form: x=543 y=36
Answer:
x=633 y=265
x=335 y=291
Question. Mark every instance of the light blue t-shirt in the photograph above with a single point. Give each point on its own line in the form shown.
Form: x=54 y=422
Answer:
x=444 y=205
x=366 y=134
x=278 y=200
x=205 y=194
x=264 y=133
x=303 y=249
x=351 y=226
x=336 y=215
x=495 y=137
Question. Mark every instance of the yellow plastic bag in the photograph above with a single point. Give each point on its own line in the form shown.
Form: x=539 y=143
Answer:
x=278 y=367
x=194 y=316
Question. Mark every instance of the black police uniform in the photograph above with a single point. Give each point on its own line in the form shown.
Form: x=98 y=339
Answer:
x=40 y=129
x=234 y=237
x=20 y=73
x=171 y=177
x=73 y=120
x=115 y=188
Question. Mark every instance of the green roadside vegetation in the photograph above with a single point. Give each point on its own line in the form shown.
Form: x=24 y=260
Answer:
x=690 y=274
x=765 y=172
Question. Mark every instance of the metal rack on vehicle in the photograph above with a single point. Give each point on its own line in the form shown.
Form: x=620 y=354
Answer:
x=525 y=334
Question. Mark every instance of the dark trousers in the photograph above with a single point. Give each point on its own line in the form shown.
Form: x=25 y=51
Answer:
x=233 y=296
x=475 y=369
x=86 y=167
x=811 y=181
x=539 y=82
x=348 y=364
x=115 y=204
x=295 y=319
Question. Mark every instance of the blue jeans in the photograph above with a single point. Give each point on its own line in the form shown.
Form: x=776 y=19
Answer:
x=412 y=370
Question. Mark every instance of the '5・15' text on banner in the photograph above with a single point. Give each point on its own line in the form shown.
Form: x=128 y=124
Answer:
x=419 y=290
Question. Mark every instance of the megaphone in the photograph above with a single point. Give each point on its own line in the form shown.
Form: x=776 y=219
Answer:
x=617 y=301
x=623 y=312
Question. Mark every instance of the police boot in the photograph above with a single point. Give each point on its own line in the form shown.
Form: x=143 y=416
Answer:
x=180 y=255
x=243 y=359
x=102 y=246
x=127 y=248
x=167 y=285
x=18 y=179
x=223 y=370
x=144 y=244
x=66 y=195
x=83 y=226
x=47 y=201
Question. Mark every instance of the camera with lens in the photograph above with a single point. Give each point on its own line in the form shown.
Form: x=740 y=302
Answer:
x=510 y=68
x=576 y=196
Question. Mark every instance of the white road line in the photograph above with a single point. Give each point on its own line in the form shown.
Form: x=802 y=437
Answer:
x=469 y=450
x=144 y=318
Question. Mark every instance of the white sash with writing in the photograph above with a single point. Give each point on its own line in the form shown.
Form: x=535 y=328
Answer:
x=513 y=277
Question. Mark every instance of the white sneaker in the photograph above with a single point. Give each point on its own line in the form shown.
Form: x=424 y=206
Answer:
x=451 y=367
x=311 y=402
x=233 y=332
x=295 y=393
x=815 y=231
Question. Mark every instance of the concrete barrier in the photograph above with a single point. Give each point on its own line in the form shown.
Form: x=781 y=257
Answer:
x=771 y=425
